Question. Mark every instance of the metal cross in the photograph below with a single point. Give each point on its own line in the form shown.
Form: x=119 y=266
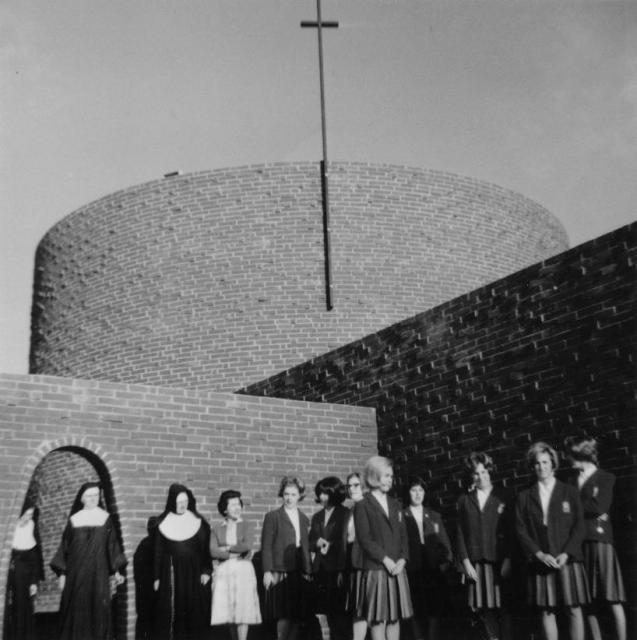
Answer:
x=319 y=25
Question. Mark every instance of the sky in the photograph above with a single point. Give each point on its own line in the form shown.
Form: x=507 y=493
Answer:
x=99 y=95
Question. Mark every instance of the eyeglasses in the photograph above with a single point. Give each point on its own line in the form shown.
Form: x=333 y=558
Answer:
x=353 y=484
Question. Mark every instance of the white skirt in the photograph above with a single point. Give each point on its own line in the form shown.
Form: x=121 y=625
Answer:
x=234 y=593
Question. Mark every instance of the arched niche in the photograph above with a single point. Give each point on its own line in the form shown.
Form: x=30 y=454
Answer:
x=52 y=487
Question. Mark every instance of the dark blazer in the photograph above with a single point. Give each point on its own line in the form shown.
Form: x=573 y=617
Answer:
x=379 y=535
x=484 y=535
x=278 y=542
x=335 y=533
x=245 y=540
x=437 y=548
x=596 y=495
x=354 y=551
x=565 y=529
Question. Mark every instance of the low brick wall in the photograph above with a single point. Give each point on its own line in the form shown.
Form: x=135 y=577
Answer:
x=140 y=439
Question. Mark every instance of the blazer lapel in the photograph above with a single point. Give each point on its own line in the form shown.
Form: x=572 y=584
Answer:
x=376 y=505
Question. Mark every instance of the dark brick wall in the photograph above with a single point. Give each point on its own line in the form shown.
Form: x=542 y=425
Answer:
x=215 y=280
x=537 y=355
x=139 y=439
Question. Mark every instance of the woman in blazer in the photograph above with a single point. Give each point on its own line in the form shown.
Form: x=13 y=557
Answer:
x=483 y=540
x=600 y=560
x=550 y=527
x=429 y=553
x=234 y=584
x=382 y=590
x=285 y=556
x=328 y=533
x=354 y=560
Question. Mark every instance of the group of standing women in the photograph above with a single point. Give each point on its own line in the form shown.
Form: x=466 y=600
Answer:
x=364 y=568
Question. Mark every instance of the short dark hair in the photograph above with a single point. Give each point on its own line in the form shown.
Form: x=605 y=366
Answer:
x=292 y=481
x=582 y=448
x=333 y=488
x=225 y=497
x=475 y=458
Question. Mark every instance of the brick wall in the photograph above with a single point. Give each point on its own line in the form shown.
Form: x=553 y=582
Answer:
x=537 y=355
x=216 y=279
x=139 y=439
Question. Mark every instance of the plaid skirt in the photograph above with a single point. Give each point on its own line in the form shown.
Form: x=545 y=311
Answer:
x=485 y=593
x=550 y=588
x=376 y=596
x=603 y=572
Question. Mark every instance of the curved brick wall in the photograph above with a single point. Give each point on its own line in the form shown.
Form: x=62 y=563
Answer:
x=216 y=279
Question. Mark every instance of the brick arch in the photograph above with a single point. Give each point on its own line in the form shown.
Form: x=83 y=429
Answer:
x=93 y=463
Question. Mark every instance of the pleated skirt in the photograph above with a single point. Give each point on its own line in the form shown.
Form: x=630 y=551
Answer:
x=288 y=598
x=234 y=593
x=485 y=593
x=566 y=587
x=377 y=596
x=603 y=572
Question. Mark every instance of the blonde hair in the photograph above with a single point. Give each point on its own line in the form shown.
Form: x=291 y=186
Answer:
x=374 y=468
x=541 y=447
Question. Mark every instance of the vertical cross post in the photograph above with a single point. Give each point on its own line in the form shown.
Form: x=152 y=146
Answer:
x=320 y=25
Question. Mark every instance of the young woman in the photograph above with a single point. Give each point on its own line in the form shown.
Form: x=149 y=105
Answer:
x=234 y=586
x=328 y=533
x=26 y=569
x=285 y=556
x=354 y=560
x=484 y=530
x=88 y=555
x=382 y=590
x=429 y=554
x=182 y=567
x=602 y=568
x=550 y=527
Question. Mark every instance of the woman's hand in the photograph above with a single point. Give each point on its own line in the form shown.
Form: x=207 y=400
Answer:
x=469 y=570
x=547 y=559
x=156 y=585
x=62 y=581
x=205 y=578
x=33 y=590
x=268 y=579
x=389 y=564
x=119 y=579
x=399 y=566
x=561 y=560
x=505 y=569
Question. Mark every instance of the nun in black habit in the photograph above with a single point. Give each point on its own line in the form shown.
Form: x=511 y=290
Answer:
x=26 y=569
x=182 y=568
x=88 y=555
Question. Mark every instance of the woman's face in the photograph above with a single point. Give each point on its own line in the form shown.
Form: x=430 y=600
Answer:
x=354 y=489
x=577 y=464
x=386 y=479
x=291 y=496
x=27 y=515
x=234 y=509
x=481 y=476
x=416 y=495
x=324 y=499
x=543 y=466
x=91 y=497
x=181 y=503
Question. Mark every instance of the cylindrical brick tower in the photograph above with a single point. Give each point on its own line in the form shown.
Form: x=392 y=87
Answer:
x=215 y=280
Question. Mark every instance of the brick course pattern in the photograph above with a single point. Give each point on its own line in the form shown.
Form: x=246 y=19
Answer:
x=139 y=439
x=215 y=280
x=537 y=355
